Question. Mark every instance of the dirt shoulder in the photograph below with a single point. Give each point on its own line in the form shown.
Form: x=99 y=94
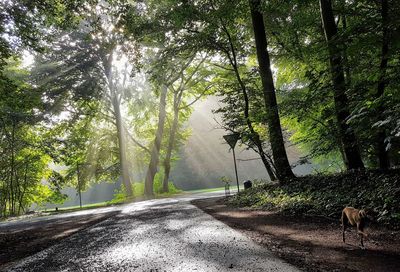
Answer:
x=311 y=243
x=18 y=243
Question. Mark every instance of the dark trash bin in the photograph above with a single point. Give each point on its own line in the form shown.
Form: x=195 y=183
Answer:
x=247 y=184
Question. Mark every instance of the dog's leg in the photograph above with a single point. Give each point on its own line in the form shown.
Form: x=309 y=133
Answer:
x=361 y=241
x=360 y=232
x=344 y=224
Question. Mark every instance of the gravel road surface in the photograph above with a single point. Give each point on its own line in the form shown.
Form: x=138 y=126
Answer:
x=156 y=235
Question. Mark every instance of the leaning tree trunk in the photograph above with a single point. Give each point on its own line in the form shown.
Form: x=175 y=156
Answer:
x=283 y=169
x=347 y=136
x=383 y=156
x=254 y=136
x=155 y=152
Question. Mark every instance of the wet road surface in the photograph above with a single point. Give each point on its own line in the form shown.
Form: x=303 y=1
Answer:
x=156 y=235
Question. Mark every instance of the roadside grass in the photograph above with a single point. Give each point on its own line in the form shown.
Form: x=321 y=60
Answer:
x=119 y=199
x=53 y=211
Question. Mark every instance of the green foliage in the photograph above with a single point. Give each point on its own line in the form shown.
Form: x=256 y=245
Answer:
x=24 y=162
x=27 y=24
x=225 y=180
x=119 y=196
x=172 y=189
x=327 y=195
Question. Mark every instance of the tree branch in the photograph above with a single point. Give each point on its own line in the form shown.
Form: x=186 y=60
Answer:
x=137 y=143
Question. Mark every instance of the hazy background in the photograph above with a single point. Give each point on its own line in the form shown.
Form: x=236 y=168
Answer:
x=204 y=159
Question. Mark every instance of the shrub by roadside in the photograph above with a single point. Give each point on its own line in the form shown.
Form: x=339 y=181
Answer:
x=327 y=195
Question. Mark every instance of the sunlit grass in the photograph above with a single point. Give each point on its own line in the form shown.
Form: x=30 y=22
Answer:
x=84 y=207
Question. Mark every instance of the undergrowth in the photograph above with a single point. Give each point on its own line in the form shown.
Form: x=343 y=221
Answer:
x=327 y=195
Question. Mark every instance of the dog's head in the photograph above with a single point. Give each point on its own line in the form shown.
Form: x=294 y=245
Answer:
x=367 y=215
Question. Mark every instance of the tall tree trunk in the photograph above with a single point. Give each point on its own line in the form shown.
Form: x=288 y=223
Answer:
x=115 y=101
x=12 y=172
x=283 y=169
x=383 y=156
x=347 y=136
x=122 y=146
x=171 y=143
x=24 y=186
x=155 y=152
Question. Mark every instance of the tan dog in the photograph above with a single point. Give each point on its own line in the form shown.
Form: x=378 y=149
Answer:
x=354 y=217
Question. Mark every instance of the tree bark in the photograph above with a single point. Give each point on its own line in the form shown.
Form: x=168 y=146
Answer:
x=383 y=156
x=283 y=169
x=347 y=137
x=155 y=152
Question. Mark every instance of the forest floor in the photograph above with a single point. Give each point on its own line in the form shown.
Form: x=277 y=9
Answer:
x=310 y=243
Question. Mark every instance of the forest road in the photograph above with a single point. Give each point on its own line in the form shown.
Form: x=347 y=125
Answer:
x=156 y=235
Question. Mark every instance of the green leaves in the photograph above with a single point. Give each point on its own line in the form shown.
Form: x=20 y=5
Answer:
x=24 y=162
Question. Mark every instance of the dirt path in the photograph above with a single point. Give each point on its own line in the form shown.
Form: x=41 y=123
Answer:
x=312 y=243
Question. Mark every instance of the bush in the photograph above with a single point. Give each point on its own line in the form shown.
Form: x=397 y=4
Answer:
x=158 y=179
x=327 y=195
